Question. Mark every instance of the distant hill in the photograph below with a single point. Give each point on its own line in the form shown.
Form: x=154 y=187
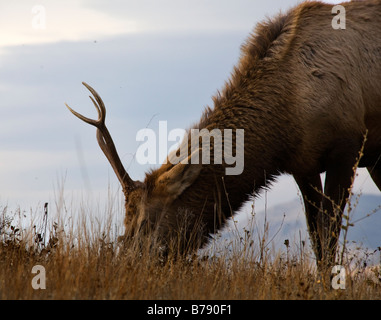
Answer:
x=287 y=221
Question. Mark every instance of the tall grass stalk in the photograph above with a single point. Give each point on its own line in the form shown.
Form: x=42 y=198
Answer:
x=83 y=260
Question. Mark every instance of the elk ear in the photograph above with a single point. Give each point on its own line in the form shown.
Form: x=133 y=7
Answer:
x=179 y=178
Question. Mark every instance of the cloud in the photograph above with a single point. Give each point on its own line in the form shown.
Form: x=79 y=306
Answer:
x=26 y=22
x=47 y=22
x=165 y=67
x=139 y=77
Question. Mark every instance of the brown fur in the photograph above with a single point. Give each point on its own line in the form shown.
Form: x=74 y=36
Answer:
x=306 y=95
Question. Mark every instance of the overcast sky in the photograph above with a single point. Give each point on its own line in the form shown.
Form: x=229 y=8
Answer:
x=149 y=60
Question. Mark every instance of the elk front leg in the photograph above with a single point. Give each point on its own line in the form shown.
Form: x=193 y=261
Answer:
x=336 y=191
x=311 y=189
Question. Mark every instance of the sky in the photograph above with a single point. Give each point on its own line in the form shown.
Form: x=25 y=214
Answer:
x=149 y=60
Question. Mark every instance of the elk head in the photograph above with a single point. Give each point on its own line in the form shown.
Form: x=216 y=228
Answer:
x=147 y=203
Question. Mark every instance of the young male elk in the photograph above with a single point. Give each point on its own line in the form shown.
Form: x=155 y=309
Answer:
x=306 y=95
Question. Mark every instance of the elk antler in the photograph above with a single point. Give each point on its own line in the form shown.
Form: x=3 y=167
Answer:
x=105 y=141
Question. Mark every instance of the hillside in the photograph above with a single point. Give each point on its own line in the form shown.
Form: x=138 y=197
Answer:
x=287 y=222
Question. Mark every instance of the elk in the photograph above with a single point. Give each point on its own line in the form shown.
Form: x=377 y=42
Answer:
x=306 y=95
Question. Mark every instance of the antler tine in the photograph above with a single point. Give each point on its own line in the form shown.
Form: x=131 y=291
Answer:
x=83 y=118
x=99 y=105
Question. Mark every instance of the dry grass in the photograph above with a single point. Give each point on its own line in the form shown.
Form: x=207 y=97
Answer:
x=83 y=264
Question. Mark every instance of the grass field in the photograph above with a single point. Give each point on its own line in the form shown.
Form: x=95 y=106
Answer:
x=83 y=260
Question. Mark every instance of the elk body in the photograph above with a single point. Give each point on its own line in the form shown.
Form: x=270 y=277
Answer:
x=306 y=95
